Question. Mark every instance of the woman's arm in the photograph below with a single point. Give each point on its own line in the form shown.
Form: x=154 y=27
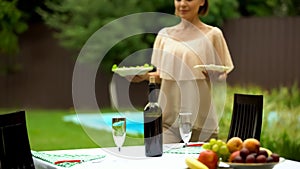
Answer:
x=215 y=75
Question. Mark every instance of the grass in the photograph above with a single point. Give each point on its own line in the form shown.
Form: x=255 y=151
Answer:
x=48 y=131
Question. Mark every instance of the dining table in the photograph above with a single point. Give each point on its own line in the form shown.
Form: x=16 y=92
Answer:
x=130 y=157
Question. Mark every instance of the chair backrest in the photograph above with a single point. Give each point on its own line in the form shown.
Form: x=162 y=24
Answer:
x=246 y=118
x=15 y=152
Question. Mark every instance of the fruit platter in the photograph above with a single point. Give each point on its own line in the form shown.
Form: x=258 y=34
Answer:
x=132 y=70
x=252 y=165
x=235 y=153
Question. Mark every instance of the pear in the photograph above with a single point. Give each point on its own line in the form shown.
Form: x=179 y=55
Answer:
x=234 y=144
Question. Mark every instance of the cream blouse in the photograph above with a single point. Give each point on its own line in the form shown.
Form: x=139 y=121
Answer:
x=179 y=48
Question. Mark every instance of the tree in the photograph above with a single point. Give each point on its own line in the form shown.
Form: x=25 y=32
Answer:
x=221 y=10
x=76 y=21
x=269 y=7
x=11 y=25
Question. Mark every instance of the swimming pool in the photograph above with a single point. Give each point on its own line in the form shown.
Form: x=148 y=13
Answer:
x=134 y=120
x=102 y=121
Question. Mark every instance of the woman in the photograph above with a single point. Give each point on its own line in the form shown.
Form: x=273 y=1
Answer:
x=176 y=51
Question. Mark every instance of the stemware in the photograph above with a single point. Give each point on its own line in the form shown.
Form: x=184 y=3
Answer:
x=185 y=126
x=119 y=131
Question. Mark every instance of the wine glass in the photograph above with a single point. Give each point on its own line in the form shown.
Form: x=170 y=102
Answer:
x=185 y=126
x=119 y=131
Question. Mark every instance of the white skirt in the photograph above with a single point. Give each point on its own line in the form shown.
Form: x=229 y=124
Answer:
x=192 y=96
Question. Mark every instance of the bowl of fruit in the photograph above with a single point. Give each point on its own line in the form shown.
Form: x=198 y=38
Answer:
x=234 y=153
x=250 y=154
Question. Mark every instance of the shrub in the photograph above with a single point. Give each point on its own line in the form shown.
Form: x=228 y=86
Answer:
x=281 y=118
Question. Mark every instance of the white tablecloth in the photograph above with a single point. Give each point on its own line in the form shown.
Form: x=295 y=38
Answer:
x=133 y=157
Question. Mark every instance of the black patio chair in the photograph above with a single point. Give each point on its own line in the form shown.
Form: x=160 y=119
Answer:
x=15 y=152
x=247 y=116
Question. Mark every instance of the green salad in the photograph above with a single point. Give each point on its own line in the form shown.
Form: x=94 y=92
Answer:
x=146 y=65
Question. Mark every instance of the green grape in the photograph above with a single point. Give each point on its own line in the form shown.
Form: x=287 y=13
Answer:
x=207 y=146
x=223 y=150
x=219 y=142
x=219 y=147
x=215 y=148
x=212 y=141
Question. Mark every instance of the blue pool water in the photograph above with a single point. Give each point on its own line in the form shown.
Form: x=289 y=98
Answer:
x=134 y=120
x=103 y=121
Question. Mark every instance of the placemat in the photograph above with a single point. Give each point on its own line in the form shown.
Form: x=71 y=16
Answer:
x=52 y=158
x=185 y=150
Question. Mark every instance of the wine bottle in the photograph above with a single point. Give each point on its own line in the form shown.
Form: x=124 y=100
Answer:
x=153 y=122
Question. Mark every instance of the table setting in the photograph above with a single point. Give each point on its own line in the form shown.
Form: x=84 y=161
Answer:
x=194 y=155
x=174 y=156
x=110 y=157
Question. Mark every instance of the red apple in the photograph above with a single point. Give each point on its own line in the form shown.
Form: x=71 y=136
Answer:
x=209 y=158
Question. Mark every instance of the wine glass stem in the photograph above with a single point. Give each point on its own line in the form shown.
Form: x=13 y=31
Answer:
x=119 y=148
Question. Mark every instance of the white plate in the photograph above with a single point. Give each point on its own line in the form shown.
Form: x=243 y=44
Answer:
x=130 y=71
x=212 y=67
x=254 y=165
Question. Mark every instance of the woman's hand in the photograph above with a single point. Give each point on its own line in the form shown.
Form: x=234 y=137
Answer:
x=140 y=78
x=137 y=78
x=222 y=76
x=156 y=74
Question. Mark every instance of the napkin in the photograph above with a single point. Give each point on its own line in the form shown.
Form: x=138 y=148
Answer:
x=52 y=158
x=185 y=150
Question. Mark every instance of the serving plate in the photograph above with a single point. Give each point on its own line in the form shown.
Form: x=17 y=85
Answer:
x=254 y=165
x=212 y=67
x=131 y=71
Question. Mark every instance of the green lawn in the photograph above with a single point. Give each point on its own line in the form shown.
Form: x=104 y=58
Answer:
x=48 y=131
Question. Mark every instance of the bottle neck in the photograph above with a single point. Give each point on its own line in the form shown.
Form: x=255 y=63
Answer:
x=153 y=93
